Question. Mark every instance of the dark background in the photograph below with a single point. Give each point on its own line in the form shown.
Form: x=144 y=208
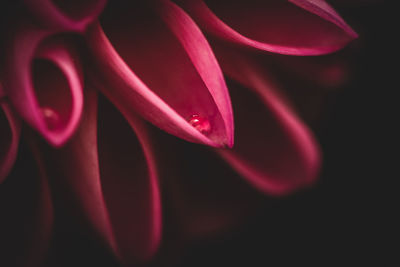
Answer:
x=347 y=219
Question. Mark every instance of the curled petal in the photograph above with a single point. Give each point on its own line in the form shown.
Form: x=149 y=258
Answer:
x=303 y=27
x=71 y=15
x=43 y=80
x=26 y=209
x=110 y=170
x=275 y=151
x=156 y=61
x=9 y=139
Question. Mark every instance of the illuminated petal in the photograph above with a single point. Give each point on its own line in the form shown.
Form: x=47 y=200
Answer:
x=308 y=27
x=157 y=62
x=275 y=151
x=43 y=81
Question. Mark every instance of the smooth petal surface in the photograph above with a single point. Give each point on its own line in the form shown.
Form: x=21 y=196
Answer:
x=308 y=27
x=70 y=15
x=275 y=151
x=26 y=209
x=109 y=169
x=43 y=81
x=157 y=62
x=10 y=130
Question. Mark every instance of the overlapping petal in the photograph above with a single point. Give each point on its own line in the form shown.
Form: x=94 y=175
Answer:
x=71 y=15
x=43 y=80
x=26 y=209
x=275 y=151
x=9 y=139
x=296 y=27
x=110 y=169
x=157 y=62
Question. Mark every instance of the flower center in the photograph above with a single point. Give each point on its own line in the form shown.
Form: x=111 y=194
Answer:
x=51 y=118
x=201 y=124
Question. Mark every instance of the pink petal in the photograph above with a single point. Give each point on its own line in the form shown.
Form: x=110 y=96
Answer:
x=43 y=80
x=9 y=139
x=310 y=27
x=157 y=62
x=110 y=169
x=275 y=151
x=26 y=210
x=71 y=15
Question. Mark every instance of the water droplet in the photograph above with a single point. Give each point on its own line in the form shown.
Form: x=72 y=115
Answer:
x=51 y=118
x=201 y=124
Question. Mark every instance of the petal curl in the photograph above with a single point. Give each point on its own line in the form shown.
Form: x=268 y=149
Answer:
x=70 y=15
x=26 y=209
x=109 y=168
x=9 y=139
x=275 y=151
x=303 y=27
x=43 y=80
x=156 y=61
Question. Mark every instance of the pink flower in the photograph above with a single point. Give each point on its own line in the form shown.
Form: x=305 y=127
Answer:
x=153 y=62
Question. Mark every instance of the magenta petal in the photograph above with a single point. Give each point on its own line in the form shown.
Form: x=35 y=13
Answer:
x=306 y=28
x=71 y=15
x=26 y=209
x=109 y=167
x=9 y=139
x=44 y=83
x=275 y=151
x=158 y=63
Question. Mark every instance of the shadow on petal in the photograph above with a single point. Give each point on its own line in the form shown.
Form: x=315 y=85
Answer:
x=157 y=62
x=71 y=15
x=109 y=170
x=302 y=28
x=43 y=81
x=26 y=213
x=204 y=196
x=9 y=139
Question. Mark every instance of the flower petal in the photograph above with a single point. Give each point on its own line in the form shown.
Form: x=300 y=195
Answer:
x=9 y=139
x=303 y=27
x=112 y=174
x=43 y=80
x=275 y=151
x=71 y=15
x=156 y=61
x=26 y=210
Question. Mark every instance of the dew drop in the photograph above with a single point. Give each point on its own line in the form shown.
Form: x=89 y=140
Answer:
x=51 y=118
x=199 y=123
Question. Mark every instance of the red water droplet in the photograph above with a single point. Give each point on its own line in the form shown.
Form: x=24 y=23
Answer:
x=201 y=124
x=51 y=117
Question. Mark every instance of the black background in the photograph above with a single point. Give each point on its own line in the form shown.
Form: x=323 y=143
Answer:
x=347 y=219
